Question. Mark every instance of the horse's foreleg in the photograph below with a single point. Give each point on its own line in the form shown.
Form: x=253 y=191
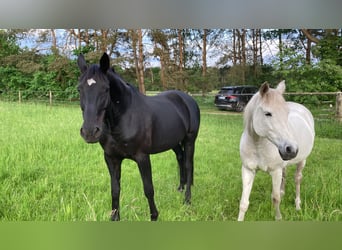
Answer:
x=298 y=179
x=276 y=184
x=283 y=182
x=189 y=150
x=144 y=165
x=114 y=167
x=247 y=183
x=182 y=171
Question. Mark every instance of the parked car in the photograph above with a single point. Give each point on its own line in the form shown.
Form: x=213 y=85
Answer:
x=234 y=97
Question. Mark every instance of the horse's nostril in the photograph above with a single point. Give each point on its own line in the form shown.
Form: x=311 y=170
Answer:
x=289 y=149
x=90 y=132
x=96 y=130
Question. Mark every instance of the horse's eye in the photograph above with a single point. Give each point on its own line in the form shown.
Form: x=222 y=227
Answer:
x=268 y=114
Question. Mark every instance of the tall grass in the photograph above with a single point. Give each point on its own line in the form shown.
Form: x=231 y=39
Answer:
x=48 y=173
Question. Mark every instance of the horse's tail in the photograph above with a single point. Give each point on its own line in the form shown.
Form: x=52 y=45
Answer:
x=193 y=112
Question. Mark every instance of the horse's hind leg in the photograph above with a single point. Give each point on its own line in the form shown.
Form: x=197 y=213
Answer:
x=298 y=179
x=182 y=171
x=189 y=150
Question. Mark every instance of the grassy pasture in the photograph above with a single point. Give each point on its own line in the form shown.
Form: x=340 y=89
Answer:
x=48 y=173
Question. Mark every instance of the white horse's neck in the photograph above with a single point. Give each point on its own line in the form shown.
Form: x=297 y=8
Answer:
x=248 y=116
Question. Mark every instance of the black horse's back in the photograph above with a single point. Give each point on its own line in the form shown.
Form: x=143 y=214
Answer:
x=175 y=119
x=188 y=107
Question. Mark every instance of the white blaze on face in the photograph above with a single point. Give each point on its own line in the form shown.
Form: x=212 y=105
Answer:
x=91 y=81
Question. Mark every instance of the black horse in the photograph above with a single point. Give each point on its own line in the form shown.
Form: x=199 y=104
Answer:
x=130 y=125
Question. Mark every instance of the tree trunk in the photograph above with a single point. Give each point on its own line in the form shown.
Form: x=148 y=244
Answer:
x=180 y=42
x=238 y=59
x=161 y=50
x=204 y=60
x=308 y=52
x=280 y=50
x=204 y=54
x=243 y=56
x=255 y=51
x=234 y=48
x=136 y=36
x=104 y=40
x=162 y=71
x=135 y=52
x=54 y=42
x=141 y=63
x=79 y=39
x=260 y=49
x=181 y=58
x=86 y=37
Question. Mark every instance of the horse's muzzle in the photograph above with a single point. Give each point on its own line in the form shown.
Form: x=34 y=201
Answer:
x=91 y=135
x=288 y=152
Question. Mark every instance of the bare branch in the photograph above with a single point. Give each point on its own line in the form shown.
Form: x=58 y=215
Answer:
x=310 y=36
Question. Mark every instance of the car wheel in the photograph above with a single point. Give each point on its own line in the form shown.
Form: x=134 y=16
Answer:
x=240 y=106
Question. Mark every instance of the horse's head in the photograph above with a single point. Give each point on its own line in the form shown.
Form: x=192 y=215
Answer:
x=270 y=120
x=94 y=97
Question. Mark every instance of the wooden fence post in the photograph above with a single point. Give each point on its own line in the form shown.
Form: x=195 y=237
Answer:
x=19 y=95
x=50 y=97
x=339 y=106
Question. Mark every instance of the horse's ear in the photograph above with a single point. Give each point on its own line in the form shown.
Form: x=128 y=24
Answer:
x=81 y=62
x=104 y=63
x=281 y=87
x=264 y=89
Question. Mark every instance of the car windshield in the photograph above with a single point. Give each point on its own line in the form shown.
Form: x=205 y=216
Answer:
x=228 y=91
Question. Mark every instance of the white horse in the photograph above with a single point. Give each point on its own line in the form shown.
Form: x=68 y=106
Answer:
x=276 y=134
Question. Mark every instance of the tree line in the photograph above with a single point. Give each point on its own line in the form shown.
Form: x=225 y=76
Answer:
x=193 y=60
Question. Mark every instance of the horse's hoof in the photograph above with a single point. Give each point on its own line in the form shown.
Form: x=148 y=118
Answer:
x=278 y=218
x=282 y=193
x=115 y=215
x=187 y=202
x=154 y=217
x=180 y=188
x=298 y=201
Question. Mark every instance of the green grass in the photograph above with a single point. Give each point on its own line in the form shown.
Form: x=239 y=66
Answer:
x=48 y=173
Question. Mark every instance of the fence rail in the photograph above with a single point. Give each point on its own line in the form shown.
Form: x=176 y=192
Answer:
x=330 y=102
x=50 y=97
